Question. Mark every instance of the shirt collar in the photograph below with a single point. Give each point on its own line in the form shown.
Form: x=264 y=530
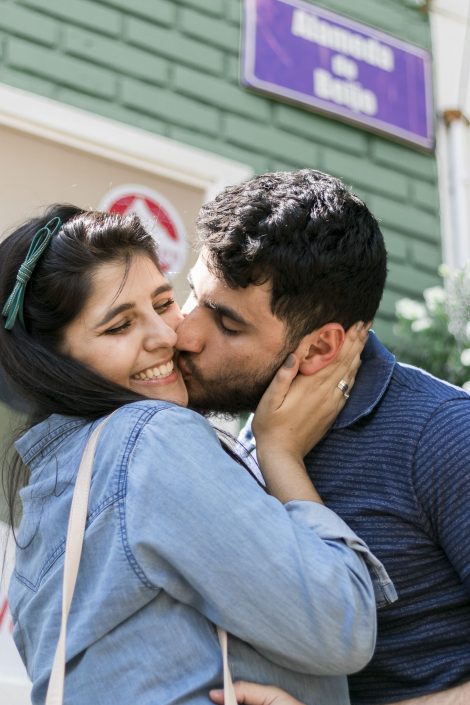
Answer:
x=372 y=380
x=43 y=437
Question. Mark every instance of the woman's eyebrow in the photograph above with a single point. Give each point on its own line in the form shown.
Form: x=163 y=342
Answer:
x=116 y=310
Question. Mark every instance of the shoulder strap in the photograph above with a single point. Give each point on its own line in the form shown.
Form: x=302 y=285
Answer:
x=73 y=552
x=229 y=691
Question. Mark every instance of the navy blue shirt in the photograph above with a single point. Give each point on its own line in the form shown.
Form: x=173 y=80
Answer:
x=396 y=468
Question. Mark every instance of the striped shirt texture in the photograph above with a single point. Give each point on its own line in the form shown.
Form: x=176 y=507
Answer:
x=396 y=468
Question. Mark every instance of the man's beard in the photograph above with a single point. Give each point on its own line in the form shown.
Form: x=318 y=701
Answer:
x=228 y=394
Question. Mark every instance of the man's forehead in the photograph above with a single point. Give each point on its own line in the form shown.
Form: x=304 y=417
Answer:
x=202 y=276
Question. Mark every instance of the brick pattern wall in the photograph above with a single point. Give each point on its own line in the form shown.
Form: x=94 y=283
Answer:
x=172 y=67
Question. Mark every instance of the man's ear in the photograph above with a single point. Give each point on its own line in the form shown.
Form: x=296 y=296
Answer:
x=317 y=349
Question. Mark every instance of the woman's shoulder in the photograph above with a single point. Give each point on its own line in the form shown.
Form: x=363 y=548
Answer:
x=177 y=434
x=159 y=416
x=139 y=434
x=146 y=410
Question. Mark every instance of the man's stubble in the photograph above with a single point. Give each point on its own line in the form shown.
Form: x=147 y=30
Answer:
x=229 y=393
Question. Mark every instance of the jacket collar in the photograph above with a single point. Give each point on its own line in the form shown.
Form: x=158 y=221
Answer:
x=42 y=438
x=372 y=380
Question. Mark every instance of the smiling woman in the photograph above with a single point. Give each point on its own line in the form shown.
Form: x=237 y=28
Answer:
x=118 y=335
x=179 y=538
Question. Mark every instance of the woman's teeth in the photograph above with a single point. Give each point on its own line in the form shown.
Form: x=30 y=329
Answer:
x=156 y=372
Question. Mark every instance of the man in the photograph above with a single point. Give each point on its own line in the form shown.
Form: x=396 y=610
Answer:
x=289 y=261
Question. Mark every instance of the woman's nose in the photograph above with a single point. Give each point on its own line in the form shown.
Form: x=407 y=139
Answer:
x=160 y=335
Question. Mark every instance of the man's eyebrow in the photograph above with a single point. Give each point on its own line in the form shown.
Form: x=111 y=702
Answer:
x=226 y=312
x=116 y=310
x=221 y=309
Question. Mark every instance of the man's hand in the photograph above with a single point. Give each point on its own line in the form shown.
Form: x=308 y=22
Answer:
x=254 y=694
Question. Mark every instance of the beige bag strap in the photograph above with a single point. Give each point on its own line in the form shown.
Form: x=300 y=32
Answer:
x=73 y=552
x=229 y=691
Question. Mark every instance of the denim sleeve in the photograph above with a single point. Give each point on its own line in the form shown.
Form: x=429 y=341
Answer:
x=289 y=579
x=384 y=588
x=442 y=481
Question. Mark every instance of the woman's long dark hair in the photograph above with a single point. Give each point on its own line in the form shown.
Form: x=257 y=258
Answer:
x=48 y=380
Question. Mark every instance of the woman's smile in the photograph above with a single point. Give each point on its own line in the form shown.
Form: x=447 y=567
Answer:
x=126 y=331
x=163 y=373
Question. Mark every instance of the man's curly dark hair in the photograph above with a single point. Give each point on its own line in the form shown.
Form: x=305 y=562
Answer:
x=304 y=232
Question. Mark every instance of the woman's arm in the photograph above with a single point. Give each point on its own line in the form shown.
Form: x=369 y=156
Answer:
x=295 y=413
x=288 y=579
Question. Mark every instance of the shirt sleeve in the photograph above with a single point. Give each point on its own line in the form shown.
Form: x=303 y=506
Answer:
x=442 y=481
x=289 y=579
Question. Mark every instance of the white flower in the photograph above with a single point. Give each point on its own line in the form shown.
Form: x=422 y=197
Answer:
x=434 y=296
x=466 y=386
x=421 y=324
x=444 y=270
x=465 y=357
x=410 y=309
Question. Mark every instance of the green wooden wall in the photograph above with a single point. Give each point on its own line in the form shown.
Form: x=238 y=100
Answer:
x=172 y=67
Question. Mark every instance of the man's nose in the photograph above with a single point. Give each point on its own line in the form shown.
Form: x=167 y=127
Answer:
x=190 y=337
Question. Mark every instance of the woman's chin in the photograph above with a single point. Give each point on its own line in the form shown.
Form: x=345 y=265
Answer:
x=174 y=391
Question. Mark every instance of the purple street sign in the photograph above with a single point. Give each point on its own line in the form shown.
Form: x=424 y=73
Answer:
x=330 y=63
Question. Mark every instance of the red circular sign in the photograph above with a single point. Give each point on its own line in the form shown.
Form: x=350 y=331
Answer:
x=159 y=218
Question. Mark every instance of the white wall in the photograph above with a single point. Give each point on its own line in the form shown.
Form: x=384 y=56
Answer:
x=14 y=684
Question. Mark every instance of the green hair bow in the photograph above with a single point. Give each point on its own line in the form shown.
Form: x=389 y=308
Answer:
x=14 y=305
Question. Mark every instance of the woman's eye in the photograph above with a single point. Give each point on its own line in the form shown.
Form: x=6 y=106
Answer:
x=118 y=329
x=164 y=305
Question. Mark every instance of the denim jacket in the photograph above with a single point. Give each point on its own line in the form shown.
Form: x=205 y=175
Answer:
x=179 y=537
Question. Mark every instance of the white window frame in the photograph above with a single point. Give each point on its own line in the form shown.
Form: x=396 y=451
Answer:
x=125 y=144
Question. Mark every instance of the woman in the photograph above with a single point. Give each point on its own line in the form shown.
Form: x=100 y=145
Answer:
x=179 y=536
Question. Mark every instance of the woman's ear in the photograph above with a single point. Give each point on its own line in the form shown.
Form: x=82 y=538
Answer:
x=317 y=349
